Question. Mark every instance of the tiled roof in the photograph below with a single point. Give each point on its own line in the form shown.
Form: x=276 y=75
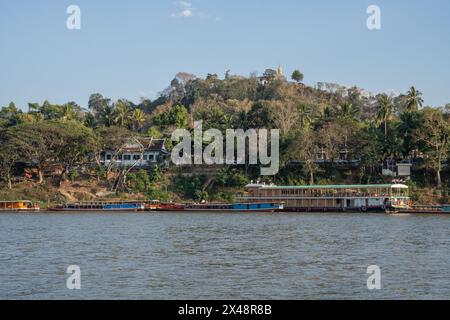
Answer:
x=149 y=144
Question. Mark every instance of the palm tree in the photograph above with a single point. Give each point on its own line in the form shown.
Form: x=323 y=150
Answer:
x=90 y=121
x=347 y=111
x=137 y=118
x=385 y=106
x=121 y=112
x=304 y=115
x=107 y=116
x=68 y=112
x=413 y=100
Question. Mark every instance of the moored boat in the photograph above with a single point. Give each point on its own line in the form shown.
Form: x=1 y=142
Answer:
x=150 y=205
x=332 y=198
x=425 y=209
x=19 y=206
x=100 y=206
x=169 y=207
x=234 y=207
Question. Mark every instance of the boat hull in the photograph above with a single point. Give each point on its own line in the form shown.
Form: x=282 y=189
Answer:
x=236 y=207
x=99 y=207
x=170 y=207
x=424 y=209
x=379 y=209
x=94 y=210
x=21 y=210
x=220 y=207
x=231 y=210
x=19 y=206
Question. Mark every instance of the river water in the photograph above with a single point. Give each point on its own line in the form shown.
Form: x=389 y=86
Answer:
x=224 y=256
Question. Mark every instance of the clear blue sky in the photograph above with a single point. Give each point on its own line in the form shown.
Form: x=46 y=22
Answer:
x=129 y=49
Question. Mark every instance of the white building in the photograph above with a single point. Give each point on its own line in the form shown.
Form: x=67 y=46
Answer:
x=138 y=152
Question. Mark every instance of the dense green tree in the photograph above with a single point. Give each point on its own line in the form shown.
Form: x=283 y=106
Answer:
x=154 y=132
x=97 y=103
x=270 y=74
x=305 y=148
x=176 y=116
x=9 y=155
x=367 y=146
x=139 y=181
x=79 y=141
x=261 y=115
x=297 y=76
x=433 y=135
x=10 y=115
x=39 y=144
x=409 y=123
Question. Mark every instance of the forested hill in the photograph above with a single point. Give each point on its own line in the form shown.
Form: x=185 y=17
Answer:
x=323 y=128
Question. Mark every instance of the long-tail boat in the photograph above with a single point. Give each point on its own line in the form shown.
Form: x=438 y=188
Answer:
x=234 y=207
x=425 y=209
x=19 y=206
x=100 y=206
x=170 y=207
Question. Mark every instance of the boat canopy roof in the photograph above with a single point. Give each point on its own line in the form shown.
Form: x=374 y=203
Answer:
x=332 y=186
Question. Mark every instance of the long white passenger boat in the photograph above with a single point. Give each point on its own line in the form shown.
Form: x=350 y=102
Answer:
x=322 y=198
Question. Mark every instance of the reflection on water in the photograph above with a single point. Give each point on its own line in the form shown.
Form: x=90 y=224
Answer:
x=224 y=256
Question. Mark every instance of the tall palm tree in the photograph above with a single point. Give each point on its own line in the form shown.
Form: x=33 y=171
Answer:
x=137 y=118
x=413 y=100
x=122 y=110
x=385 y=107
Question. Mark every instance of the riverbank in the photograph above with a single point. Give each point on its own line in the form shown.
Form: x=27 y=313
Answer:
x=48 y=195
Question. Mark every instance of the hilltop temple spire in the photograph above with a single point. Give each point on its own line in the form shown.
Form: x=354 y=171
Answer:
x=280 y=72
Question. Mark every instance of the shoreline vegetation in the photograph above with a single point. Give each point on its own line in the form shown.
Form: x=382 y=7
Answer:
x=330 y=134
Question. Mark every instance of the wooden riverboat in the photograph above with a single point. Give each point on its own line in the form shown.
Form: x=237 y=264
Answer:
x=18 y=206
x=330 y=198
x=170 y=207
x=97 y=206
x=234 y=207
x=424 y=209
x=150 y=205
